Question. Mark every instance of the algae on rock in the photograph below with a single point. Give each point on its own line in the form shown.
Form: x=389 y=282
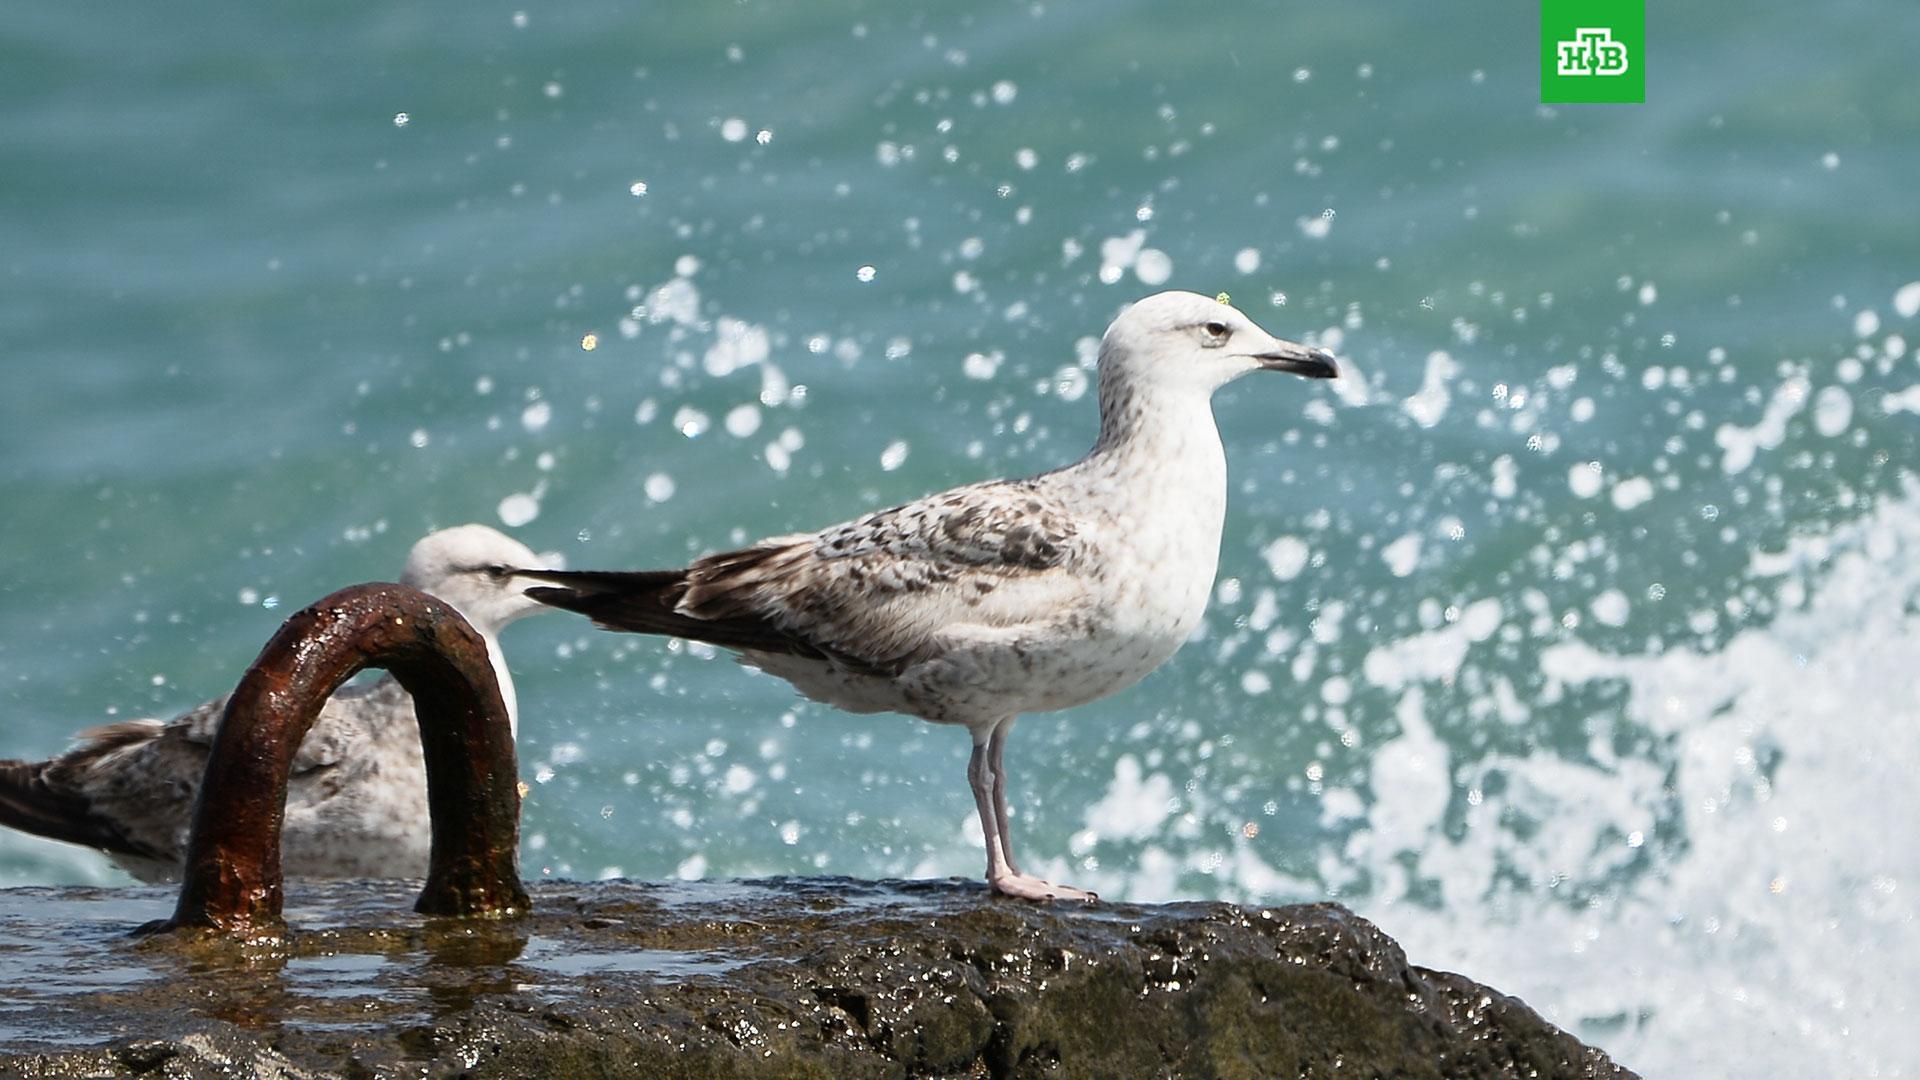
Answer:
x=778 y=978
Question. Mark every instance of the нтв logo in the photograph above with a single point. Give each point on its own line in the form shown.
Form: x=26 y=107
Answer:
x=1592 y=52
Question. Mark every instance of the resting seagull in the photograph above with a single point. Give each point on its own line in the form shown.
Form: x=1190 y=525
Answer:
x=357 y=801
x=979 y=604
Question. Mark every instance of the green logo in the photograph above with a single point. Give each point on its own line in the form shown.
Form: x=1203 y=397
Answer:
x=1593 y=50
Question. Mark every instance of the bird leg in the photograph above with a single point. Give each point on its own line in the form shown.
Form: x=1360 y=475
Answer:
x=986 y=774
x=996 y=765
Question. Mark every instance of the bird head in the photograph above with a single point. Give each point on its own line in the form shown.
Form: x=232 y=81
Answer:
x=474 y=568
x=1183 y=339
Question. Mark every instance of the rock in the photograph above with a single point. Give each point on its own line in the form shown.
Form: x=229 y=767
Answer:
x=778 y=978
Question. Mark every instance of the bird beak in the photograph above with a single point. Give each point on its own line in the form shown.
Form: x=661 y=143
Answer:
x=1298 y=360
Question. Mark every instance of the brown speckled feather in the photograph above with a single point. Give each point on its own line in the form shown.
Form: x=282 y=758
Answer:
x=35 y=798
x=868 y=595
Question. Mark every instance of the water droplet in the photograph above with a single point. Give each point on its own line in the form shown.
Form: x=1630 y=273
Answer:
x=743 y=420
x=518 y=509
x=401 y=120
x=981 y=365
x=1153 y=266
x=1070 y=382
x=691 y=422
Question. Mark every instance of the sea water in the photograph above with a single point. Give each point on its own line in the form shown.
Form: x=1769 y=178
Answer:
x=1571 y=637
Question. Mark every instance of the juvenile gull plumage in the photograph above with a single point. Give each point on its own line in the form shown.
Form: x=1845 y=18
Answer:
x=979 y=604
x=357 y=801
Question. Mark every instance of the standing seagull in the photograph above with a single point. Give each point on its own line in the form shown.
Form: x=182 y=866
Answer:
x=357 y=801
x=979 y=604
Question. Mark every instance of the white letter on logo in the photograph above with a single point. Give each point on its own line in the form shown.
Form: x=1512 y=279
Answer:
x=1612 y=57
x=1571 y=60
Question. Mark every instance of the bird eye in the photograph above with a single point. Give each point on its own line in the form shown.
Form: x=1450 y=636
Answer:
x=498 y=572
x=1216 y=333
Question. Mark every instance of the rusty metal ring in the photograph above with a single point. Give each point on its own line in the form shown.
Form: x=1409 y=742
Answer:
x=232 y=881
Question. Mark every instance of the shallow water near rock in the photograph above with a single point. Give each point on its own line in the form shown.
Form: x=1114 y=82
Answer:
x=816 y=976
x=356 y=958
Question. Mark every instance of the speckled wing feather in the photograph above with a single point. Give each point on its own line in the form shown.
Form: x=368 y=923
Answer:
x=34 y=802
x=130 y=787
x=343 y=723
x=870 y=595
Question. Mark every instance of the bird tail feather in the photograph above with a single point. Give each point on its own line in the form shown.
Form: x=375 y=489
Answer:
x=650 y=602
x=32 y=802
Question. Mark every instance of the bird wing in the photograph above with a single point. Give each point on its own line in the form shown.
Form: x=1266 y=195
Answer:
x=130 y=787
x=871 y=595
x=344 y=723
x=35 y=797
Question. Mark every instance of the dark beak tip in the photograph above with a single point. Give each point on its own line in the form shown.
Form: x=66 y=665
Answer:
x=1306 y=362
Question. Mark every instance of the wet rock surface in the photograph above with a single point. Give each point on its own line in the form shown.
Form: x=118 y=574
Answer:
x=777 y=978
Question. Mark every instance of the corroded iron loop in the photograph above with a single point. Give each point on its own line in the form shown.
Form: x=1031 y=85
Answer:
x=232 y=881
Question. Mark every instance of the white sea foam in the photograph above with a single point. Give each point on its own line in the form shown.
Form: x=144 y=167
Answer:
x=1135 y=804
x=1740 y=444
x=1403 y=555
x=1770 y=935
x=54 y=860
x=1428 y=405
x=1435 y=655
x=1286 y=557
x=736 y=344
x=1768 y=945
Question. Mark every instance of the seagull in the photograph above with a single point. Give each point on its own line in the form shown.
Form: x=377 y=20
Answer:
x=980 y=604
x=357 y=800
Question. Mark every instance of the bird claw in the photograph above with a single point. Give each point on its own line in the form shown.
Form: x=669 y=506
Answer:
x=1028 y=887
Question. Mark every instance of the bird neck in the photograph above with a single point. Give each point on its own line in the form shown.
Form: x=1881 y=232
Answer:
x=503 y=677
x=1142 y=426
x=1161 y=444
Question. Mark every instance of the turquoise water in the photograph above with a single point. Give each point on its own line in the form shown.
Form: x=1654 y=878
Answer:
x=1572 y=641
